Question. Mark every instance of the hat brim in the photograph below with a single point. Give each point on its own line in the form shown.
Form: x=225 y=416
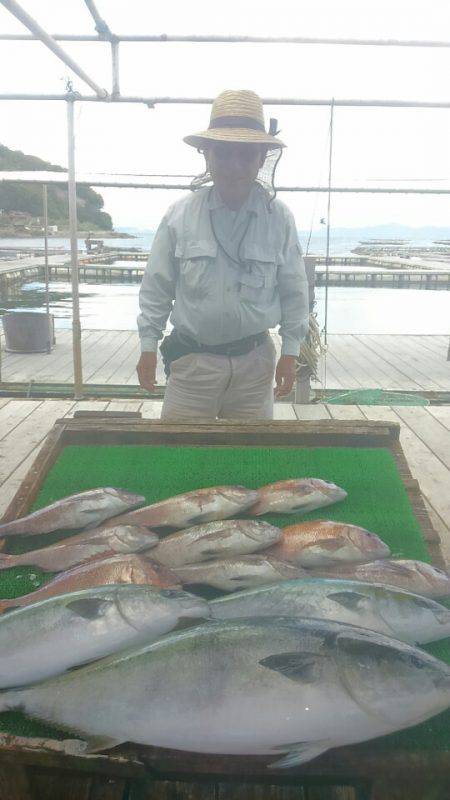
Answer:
x=238 y=135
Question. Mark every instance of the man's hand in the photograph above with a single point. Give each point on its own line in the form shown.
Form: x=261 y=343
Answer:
x=285 y=375
x=146 y=370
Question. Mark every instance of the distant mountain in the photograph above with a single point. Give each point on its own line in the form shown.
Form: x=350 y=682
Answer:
x=28 y=198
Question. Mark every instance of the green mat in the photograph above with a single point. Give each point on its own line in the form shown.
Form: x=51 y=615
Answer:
x=376 y=500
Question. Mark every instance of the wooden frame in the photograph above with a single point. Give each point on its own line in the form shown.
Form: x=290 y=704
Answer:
x=344 y=765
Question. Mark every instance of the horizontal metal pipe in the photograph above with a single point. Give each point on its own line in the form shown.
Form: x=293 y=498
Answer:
x=324 y=189
x=271 y=101
x=163 y=37
x=17 y=11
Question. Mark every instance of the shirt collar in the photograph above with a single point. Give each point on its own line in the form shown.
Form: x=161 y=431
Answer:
x=253 y=202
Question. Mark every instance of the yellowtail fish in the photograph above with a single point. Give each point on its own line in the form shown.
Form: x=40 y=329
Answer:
x=49 y=637
x=393 y=612
x=287 y=688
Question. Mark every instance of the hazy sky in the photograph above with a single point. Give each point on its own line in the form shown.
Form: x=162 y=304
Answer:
x=372 y=147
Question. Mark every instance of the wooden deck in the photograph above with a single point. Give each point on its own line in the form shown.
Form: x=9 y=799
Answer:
x=425 y=438
x=402 y=363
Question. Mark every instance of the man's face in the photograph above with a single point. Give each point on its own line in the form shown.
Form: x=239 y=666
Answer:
x=232 y=163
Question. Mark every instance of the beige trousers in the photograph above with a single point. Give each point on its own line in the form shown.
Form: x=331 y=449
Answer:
x=202 y=385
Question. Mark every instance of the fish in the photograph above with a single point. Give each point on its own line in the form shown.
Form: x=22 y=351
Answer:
x=215 y=540
x=409 y=574
x=83 y=547
x=76 y=511
x=128 y=568
x=322 y=543
x=242 y=572
x=54 y=635
x=394 y=612
x=287 y=688
x=191 y=508
x=296 y=496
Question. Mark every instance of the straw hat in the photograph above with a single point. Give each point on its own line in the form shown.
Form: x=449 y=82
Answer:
x=236 y=116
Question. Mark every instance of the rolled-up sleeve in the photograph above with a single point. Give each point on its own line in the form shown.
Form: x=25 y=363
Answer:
x=293 y=292
x=157 y=290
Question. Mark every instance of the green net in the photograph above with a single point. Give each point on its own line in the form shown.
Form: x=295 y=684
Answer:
x=376 y=397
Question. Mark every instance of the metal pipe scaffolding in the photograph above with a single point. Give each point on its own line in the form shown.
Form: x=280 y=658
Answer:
x=62 y=178
x=165 y=37
x=271 y=101
x=43 y=36
x=100 y=25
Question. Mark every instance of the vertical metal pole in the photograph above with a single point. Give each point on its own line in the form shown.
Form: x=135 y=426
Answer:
x=47 y=304
x=115 y=68
x=327 y=259
x=76 y=327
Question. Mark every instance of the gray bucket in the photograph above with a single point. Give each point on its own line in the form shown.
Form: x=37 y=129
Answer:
x=28 y=332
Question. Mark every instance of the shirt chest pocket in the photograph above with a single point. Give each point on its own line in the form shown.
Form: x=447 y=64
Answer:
x=196 y=267
x=259 y=280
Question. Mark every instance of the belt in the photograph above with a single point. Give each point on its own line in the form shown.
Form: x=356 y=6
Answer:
x=237 y=348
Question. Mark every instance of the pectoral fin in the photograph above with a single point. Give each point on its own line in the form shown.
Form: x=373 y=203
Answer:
x=90 y=607
x=351 y=600
x=299 y=667
x=299 y=753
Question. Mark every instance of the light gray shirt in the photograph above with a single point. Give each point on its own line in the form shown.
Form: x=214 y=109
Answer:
x=208 y=296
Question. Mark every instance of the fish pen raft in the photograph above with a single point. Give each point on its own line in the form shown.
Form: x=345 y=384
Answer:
x=159 y=460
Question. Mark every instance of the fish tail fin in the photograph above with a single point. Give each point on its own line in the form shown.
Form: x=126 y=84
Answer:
x=299 y=753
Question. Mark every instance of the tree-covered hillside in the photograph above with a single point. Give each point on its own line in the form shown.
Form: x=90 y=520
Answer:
x=28 y=198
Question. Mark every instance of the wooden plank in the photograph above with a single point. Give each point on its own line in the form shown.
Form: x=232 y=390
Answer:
x=13 y=414
x=151 y=409
x=420 y=371
x=87 y=405
x=429 y=430
x=15 y=447
x=311 y=411
x=115 y=356
x=283 y=411
x=59 y=784
x=345 y=412
x=389 y=375
x=355 y=363
x=441 y=413
x=102 y=355
x=124 y=405
x=4 y=401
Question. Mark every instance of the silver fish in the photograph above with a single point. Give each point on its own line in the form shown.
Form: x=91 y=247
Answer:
x=191 y=508
x=414 y=576
x=46 y=638
x=218 y=539
x=322 y=543
x=296 y=496
x=242 y=572
x=282 y=687
x=84 y=547
x=76 y=511
x=393 y=612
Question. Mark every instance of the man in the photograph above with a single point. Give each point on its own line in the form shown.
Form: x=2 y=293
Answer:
x=227 y=265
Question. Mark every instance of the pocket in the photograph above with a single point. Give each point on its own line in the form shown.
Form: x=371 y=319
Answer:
x=196 y=270
x=258 y=284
